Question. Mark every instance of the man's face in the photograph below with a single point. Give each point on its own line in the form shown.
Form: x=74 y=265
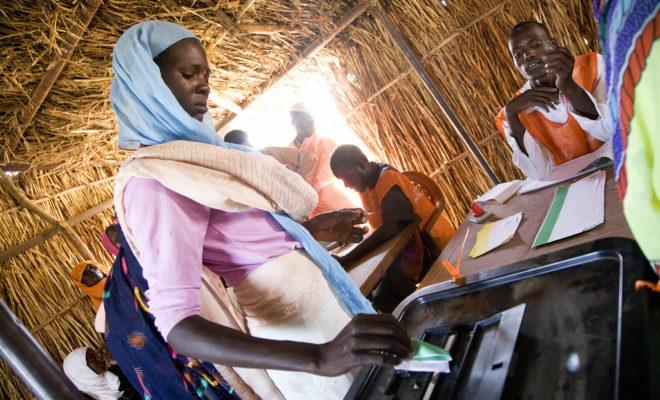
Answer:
x=354 y=177
x=91 y=276
x=186 y=72
x=529 y=49
x=304 y=124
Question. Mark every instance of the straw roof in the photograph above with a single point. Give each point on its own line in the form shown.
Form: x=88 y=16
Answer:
x=67 y=154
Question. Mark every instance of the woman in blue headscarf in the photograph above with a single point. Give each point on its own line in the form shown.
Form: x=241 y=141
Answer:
x=186 y=199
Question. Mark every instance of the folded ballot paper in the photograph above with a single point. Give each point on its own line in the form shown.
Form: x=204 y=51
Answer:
x=495 y=234
x=426 y=358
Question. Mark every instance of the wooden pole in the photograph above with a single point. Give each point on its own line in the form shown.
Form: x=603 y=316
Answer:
x=22 y=167
x=62 y=193
x=42 y=237
x=20 y=197
x=428 y=55
x=49 y=78
x=310 y=51
x=456 y=124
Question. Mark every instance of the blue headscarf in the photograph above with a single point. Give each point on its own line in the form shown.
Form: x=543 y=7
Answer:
x=146 y=110
x=148 y=113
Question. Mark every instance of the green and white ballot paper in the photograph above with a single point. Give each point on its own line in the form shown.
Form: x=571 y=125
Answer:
x=575 y=208
x=426 y=358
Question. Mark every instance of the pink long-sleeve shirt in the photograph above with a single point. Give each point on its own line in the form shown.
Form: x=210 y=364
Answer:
x=177 y=235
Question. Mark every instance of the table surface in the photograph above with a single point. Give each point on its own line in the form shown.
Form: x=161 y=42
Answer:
x=368 y=270
x=534 y=207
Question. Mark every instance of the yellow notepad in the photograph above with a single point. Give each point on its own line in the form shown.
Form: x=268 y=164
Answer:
x=495 y=234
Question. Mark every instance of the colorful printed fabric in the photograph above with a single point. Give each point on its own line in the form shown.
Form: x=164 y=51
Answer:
x=628 y=33
x=154 y=369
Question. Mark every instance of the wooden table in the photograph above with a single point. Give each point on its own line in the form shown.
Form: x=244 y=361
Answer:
x=534 y=207
x=368 y=270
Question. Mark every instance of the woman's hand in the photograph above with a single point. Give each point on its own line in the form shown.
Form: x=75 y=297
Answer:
x=338 y=226
x=368 y=339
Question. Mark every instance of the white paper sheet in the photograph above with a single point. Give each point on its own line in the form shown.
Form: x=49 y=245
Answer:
x=501 y=193
x=576 y=208
x=424 y=366
x=568 y=170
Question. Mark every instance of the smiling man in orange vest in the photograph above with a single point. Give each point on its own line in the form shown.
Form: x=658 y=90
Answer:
x=561 y=111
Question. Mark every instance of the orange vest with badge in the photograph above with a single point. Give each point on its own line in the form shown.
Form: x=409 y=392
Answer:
x=441 y=232
x=565 y=141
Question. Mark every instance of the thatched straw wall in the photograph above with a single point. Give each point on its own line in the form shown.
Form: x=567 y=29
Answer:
x=70 y=152
x=464 y=48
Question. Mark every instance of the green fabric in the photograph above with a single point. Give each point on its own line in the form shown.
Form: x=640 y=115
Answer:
x=642 y=202
x=423 y=351
x=553 y=215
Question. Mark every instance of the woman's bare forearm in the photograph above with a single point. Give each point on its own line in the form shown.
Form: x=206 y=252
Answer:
x=199 y=338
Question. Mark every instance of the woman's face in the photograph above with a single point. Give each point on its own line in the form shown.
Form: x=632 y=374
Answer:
x=186 y=72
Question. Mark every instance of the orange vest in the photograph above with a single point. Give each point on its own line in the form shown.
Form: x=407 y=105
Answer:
x=568 y=140
x=441 y=232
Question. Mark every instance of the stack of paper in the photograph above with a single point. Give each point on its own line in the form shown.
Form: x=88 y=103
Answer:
x=585 y=164
x=575 y=208
x=501 y=193
x=495 y=234
x=426 y=358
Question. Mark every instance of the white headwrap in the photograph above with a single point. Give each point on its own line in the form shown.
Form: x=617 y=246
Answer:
x=299 y=106
x=103 y=386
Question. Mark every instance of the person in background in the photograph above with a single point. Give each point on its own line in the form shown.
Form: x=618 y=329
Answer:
x=629 y=33
x=96 y=375
x=309 y=155
x=90 y=279
x=394 y=203
x=560 y=112
x=237 y=136
x=110 y=239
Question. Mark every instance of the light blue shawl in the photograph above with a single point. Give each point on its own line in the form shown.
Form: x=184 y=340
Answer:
x=148 y=114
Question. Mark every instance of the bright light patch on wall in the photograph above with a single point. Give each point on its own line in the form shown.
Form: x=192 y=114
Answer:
x=268 y=123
